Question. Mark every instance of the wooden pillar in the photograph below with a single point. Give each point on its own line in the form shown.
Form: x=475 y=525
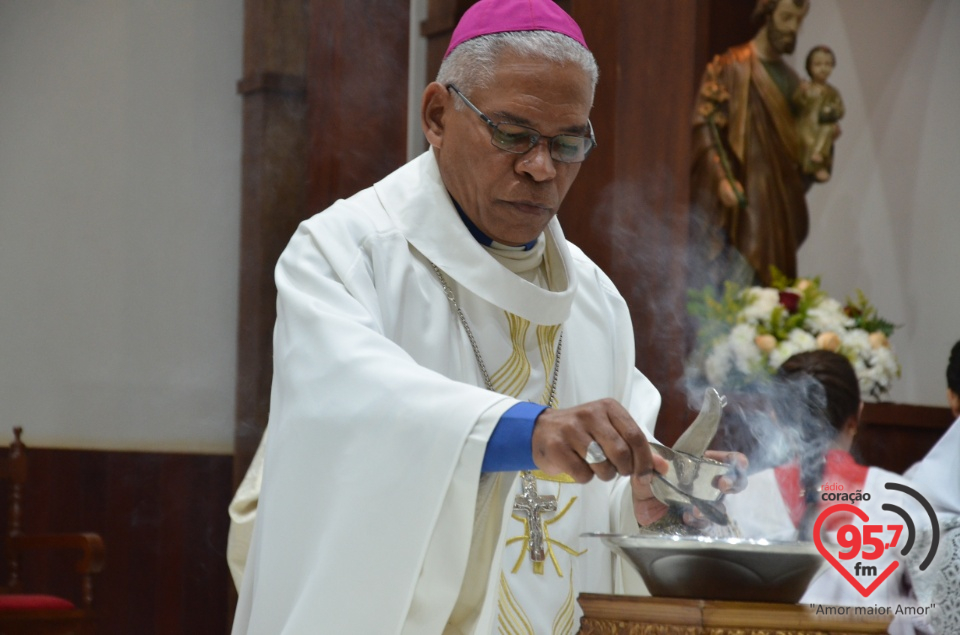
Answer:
x=273 y=194
x=324 y=88
x=628 y=208
x=324 y=115
x=442 y=18
x=357 y=87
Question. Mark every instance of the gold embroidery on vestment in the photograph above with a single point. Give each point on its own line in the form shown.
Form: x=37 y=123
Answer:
x=563 y=623
x=511 y=618
x=553 y=478
x=548 y=354
x=514 y=374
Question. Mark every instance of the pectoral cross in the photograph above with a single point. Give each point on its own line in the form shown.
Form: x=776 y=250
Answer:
x=530 y=505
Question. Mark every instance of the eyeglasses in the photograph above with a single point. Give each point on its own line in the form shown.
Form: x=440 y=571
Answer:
x=517 y=139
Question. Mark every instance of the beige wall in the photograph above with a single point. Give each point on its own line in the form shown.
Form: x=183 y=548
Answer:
x=120 y=135
x=889 y=221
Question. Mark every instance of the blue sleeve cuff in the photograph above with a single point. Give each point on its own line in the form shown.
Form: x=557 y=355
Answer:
x=510 y=447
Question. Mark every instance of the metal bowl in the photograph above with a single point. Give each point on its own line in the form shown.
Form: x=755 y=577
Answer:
x=719 y=568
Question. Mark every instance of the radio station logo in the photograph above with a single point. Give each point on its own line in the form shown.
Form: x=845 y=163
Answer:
x=862 y=545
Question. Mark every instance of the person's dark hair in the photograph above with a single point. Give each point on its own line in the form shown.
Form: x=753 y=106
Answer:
x=822 y=48
x=834 y=394
x=765 y=8
x=953 y=369
x=820 y=392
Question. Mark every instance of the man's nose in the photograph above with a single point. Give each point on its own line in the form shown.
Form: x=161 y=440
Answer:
x=537 y=163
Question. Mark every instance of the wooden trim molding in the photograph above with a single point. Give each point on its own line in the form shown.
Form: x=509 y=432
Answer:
x=437 y=25
x=274 y=83
x=163 y=520
x=900 y=414
x=894 y=435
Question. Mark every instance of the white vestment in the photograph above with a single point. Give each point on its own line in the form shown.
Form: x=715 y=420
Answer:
x=760 y=512
x=373 y=516
x=938 y=473
x=243 y=513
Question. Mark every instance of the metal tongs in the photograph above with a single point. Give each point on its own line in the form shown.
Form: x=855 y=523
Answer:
x=690 y=478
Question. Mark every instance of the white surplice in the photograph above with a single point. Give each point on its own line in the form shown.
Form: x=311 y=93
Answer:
x=938 y=473
x=373 y=516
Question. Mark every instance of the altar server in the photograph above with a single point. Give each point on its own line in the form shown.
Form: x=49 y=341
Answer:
x=938 y=475
x=817 y=405
x=939 y=471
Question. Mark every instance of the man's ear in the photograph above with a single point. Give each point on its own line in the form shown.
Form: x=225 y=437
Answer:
x=433 y=107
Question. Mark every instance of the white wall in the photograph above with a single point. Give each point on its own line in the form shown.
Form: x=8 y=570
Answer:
x=120 y=133
x=889 y=220
x=417 y=79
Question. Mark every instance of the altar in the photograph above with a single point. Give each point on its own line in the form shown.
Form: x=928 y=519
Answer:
x=635 y=615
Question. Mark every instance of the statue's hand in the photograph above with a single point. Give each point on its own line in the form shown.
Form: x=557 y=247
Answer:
x=727 y=195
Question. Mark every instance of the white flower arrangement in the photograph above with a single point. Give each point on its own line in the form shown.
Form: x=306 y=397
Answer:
x=749 y=332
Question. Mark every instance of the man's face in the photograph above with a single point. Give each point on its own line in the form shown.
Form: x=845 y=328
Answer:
x=512 y=197
x=784 y=24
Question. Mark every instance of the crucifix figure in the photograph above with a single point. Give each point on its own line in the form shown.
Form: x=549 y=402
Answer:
x=530 y=504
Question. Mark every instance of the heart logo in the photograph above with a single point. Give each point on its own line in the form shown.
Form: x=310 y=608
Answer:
x=853 y=509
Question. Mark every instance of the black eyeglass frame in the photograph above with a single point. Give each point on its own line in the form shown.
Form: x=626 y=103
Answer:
x=535 y=135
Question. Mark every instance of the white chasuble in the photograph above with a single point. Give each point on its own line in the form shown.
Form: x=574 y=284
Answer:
x=373 y=516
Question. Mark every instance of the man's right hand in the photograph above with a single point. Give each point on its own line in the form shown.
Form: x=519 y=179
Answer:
x=561 y=436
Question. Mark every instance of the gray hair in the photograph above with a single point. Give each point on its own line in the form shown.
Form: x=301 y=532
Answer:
x=472 y=64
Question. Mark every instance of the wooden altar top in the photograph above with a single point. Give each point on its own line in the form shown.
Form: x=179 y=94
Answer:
x=634 y=615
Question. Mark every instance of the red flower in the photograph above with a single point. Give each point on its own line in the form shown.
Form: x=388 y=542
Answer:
x=789 y=301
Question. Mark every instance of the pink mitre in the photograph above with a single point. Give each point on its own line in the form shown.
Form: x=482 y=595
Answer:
x=501 y=16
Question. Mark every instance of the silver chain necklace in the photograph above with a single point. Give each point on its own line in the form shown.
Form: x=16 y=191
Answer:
x=447 y=291
x=528 y=503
